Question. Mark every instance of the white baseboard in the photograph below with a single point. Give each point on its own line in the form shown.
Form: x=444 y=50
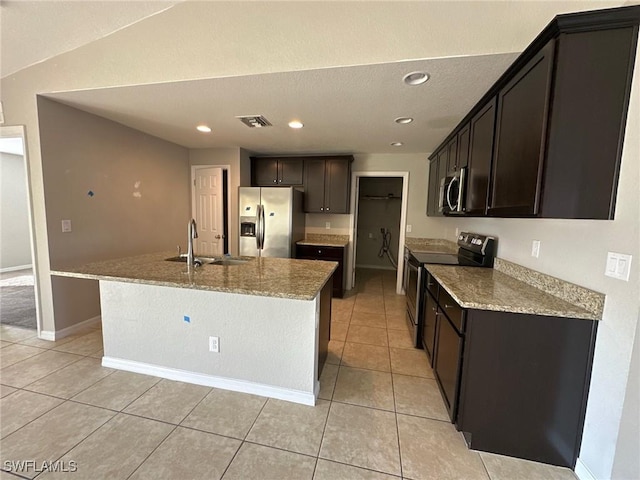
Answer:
x=243 y=386
x=65 y=332
x=16 y=268
x=582 y=472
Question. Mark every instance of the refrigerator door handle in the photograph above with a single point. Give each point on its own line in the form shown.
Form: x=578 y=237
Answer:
x=262 y=226
x=258 y=226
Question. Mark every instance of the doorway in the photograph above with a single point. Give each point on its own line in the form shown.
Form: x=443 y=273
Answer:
x=18 y=285
x=379 y=205
x=209 y=207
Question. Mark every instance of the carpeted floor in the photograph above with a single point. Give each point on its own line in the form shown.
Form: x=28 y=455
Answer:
x=18 y=306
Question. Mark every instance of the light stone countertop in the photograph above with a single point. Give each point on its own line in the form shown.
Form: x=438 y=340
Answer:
x=490 y=289
x=430 y=245
x=267 y=277
x=325 y=240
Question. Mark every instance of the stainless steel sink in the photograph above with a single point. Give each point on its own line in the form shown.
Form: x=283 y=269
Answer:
x=209 y=260
x=176 y=259
x=228 y=261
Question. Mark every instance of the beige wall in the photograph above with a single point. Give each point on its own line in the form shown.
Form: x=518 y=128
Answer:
x=15 y=246
x=140 y=201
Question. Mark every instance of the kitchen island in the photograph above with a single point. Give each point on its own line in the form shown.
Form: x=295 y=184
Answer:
x=270 y=316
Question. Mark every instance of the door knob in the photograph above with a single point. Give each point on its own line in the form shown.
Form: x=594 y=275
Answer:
x=218 y=236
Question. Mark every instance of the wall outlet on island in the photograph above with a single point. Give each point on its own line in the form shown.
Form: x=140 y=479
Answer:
x=327 y=225
x=535 y=248
x=409 y=228
x=214 y=344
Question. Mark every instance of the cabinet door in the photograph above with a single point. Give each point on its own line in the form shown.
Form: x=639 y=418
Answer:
x=480 y=152
x=587 y=122
x=430 y=316
x=463 y=146
x=448 y=362
x=434 y=185
x=336 y=185
x=452 y=150
x=520 y=138
x=264 y=172
x=290 y=171
x=314 y=185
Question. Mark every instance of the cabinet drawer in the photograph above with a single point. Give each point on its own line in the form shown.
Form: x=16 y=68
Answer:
x=451 y=309
x=431 y=285
x=320 y=252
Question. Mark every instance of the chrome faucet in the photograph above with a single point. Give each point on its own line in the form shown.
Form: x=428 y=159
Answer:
x=192 y=233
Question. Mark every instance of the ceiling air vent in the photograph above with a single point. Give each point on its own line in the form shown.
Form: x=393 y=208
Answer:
x=254 y=121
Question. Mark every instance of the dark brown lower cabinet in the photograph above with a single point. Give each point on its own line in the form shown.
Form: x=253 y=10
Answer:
x=429 y=322
x=324 y=333
x=332 y=254
x=524 y=385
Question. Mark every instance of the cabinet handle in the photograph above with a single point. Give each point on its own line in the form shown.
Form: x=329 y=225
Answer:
x=279 y=181
x=429 y=284
x=448 y=306
x=275 y=181
x=321 y=209
x=327 y=209
x=319 y=251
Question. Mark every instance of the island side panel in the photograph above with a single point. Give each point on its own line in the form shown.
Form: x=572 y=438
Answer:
x=264 y=341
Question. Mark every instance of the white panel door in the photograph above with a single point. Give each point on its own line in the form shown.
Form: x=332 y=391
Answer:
x=208 y=211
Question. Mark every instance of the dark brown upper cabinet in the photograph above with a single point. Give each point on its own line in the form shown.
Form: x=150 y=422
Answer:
x=463 y=146
x=479 y=163
x=432 y=192
x=452 y=153
x=520 y=135
x=546 y=139
x=587 y=123
x=272 y=171
x=326 y=184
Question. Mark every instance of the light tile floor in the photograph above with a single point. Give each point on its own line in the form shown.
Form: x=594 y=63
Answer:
x=380 y=414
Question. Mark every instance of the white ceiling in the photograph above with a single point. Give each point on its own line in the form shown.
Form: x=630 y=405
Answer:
x=345 y=109
x=33 y=31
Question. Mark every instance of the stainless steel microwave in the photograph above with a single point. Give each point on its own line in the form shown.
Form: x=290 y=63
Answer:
x=451 y=194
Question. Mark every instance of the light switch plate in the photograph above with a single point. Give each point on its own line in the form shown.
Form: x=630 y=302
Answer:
x=408 y=228
x=618 y=266
x=66 y=226
x=327 y=225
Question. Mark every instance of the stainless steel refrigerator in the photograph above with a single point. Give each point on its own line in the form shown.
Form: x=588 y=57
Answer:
x=271 y=221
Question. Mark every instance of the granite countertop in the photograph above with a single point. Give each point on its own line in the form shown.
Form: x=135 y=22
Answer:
x=490 y=289
x=268 y=277
x=430 y=245
x=325 y=240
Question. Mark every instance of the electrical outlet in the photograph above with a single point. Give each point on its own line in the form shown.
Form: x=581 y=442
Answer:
x=618 y=266
x=457 y=232
x=66 y=226
x=327 y=225
x=214 y=344
x=409 y=228
x=535 y=248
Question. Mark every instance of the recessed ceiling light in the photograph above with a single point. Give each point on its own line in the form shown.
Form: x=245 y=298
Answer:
x=415 y=78
x=396 y=144
x=296 y=124
x=403 y=120
x=203 y=129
